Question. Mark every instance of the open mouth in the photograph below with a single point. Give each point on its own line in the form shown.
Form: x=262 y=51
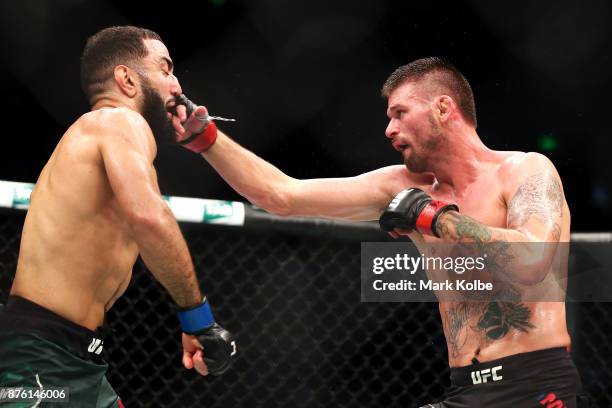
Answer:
x=400 y=147
x=171 y=106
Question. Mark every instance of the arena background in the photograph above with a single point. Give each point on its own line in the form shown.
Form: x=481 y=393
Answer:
x=303 y=80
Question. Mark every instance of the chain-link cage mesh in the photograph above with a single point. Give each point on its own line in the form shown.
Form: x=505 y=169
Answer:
x=304 y=338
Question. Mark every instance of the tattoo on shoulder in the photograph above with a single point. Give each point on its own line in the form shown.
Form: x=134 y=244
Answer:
x=539 y=196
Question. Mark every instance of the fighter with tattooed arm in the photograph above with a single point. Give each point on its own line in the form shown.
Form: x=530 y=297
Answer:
x=459 y=191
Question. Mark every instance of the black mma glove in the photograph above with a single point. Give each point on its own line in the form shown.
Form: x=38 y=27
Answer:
x=203 y=139
x=413 y=209
x=218 y=344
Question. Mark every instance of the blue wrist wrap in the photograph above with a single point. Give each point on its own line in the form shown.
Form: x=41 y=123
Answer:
x=196 y=319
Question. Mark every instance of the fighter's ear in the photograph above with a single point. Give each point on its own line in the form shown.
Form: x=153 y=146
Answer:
x=444 y=106
x=126 y=80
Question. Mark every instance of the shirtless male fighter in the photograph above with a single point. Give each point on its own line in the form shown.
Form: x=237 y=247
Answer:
x=502 y=197
x=95 y=207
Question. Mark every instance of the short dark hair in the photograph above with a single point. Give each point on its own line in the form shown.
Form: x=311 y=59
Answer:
x=444 y=75
x=108 y=48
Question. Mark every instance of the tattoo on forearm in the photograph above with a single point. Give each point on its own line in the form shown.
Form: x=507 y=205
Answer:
x=475 y=239
x=469 y=229
x=463 y=229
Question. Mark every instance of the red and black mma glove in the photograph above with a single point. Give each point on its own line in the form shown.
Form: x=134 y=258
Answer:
x=219 y=344
x=202 y=140
x=413 y=209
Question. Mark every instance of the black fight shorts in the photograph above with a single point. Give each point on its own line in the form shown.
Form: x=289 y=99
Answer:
x=538 y=379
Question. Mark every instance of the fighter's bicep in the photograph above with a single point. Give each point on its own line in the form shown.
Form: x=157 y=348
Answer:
x=536 y=207
x=130 y=173
x=361 y=197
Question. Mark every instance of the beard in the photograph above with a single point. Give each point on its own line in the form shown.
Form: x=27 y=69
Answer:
x=415 y=163
x=155 y=113
x=420 y=158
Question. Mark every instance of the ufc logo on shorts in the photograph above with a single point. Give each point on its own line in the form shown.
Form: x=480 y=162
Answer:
x=482 y=376
x=95 y=346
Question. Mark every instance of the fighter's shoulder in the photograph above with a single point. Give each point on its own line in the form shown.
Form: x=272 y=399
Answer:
x=113 y=121
x=520 y=168
x=515 y=164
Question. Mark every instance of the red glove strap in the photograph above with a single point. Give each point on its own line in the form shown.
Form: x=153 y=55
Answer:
x=429 y=214
x=202 y=142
